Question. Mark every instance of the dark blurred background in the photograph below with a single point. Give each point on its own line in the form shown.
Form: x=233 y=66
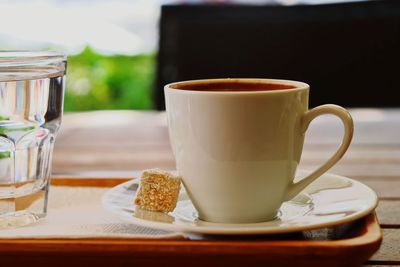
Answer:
x=348 y=52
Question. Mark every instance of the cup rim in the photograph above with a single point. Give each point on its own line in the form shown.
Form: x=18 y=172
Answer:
x=299 y=86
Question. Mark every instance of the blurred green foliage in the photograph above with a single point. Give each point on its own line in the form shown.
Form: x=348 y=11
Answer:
x=96 y=81
x=5 y=155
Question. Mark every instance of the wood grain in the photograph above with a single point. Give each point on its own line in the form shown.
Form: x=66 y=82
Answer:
x=389 y=214
x=389 y=253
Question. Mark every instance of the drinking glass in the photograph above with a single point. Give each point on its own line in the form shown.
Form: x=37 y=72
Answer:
x=31 y=106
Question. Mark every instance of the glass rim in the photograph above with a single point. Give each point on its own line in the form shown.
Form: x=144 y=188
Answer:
x=28 y=64
x=30 y=56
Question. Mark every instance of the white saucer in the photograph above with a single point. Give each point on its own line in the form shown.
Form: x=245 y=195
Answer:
x=330 y=200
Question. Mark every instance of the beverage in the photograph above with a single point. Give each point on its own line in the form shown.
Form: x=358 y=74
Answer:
x=31 y=102
x=232 y=85
x=237 y=144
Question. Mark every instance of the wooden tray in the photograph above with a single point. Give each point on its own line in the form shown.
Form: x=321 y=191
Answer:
x=345 y=245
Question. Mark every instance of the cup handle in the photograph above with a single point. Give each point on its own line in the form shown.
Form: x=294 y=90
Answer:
x=347 y=121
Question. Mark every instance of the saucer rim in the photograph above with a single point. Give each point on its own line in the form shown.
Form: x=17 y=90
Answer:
x=245 y=228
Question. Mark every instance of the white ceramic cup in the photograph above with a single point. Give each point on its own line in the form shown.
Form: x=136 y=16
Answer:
x=237 y=151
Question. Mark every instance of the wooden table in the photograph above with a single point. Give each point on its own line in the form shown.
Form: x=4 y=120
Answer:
x=116 y=143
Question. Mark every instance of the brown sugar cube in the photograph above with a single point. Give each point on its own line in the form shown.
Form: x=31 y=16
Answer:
x=158 y=191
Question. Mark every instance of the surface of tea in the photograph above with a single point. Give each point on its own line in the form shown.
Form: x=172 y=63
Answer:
x=234 y=86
